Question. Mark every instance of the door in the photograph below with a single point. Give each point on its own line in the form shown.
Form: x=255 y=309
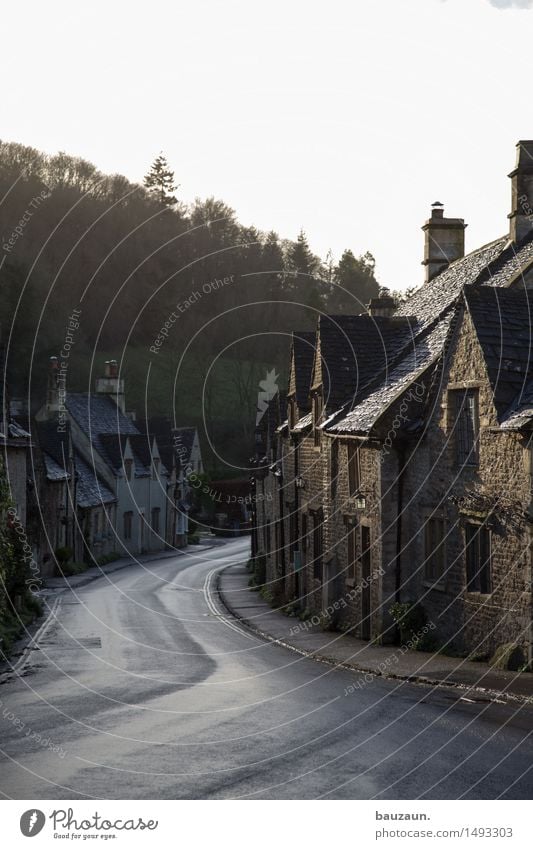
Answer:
x=366 y=567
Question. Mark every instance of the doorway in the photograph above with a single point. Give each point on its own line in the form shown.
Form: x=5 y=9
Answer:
x=366 y=567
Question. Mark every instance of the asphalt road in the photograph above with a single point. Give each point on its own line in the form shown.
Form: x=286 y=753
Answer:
x=143 y=687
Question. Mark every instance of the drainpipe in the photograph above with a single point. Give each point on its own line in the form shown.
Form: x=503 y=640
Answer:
x=282 y=526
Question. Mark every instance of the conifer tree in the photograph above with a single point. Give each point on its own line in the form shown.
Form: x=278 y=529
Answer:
x=160 y=181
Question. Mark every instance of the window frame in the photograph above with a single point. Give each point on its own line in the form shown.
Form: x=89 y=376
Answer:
x=465 y=425
x=354 y=468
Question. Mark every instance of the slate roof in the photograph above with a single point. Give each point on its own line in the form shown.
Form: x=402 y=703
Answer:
x=113 y=445
x=184 y=440
x=354 y=349
x=303 y=353
x=503 y=321
x=410 y=369
x=481 y=275
x=161 y=427
x=97 y=414
x=520 y=413
x=90 y=488
x=303 y=423
x=435 y=297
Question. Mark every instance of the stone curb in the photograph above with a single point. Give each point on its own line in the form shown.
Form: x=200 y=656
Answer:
x=480 y=693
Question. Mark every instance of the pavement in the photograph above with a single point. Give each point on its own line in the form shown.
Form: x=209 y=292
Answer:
x=140 y=685
x=347 y=652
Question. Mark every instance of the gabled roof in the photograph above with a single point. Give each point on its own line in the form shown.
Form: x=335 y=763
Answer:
x=302 y=357
x=184 y=441
x=354 y=349
x=55 y=447
x=435 y=297
x=520 y=413
x=410 y=369
x=90 y=488
x=97 y=414
x=503 y=322
x=161 y=427
x=112 y=447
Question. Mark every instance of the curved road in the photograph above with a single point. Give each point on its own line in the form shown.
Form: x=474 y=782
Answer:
x=143 y=687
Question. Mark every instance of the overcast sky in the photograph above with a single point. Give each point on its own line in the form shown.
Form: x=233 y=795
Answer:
x=347 y=117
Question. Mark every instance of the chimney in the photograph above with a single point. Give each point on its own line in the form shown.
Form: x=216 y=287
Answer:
x=52 y=388
x=521 y=216
x=110 y=384
x=383 y=306
x=444 y=242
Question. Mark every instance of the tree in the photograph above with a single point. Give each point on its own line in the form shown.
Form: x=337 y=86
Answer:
x=355 y=283
x=306 y=268
x=160 y=181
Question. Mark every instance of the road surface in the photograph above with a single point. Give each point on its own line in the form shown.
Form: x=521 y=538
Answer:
x=144 y=687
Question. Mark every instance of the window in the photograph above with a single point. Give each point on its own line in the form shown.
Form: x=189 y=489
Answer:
x=317 y=417
x=435 y=549
x=318 y=543
x=354 y=469
x=352 y=552
x=96 y=523
x=128 y=520
x=155 y=468
x=478 y=559
x=464 y=408
x=156 y=511
x=128 y=465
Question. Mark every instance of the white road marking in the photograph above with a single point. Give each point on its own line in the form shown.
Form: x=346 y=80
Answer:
x=209 y=600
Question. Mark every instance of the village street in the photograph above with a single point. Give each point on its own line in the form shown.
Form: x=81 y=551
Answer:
x=145 y=687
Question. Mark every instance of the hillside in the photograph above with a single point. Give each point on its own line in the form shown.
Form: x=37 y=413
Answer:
x=174 y=294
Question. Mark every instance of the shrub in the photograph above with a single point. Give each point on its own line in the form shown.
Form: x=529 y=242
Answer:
x=410 y=619
x=63 y=555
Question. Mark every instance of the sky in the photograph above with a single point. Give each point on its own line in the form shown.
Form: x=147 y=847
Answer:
x=346 y=118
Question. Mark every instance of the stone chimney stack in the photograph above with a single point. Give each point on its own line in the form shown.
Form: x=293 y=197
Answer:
x=444 y=242
x=52 y=388
x=521 y=216
x=110 y=384
x=382 y=306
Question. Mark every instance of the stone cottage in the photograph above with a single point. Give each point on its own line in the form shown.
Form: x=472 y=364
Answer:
x=121 y=460
x=403 y=469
